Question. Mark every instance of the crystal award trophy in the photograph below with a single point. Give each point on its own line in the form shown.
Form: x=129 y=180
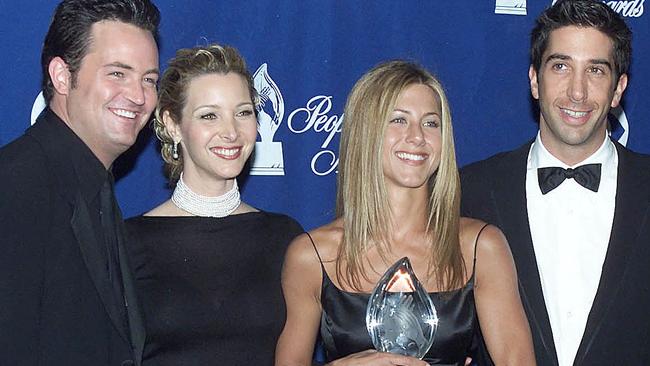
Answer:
x=400 y=316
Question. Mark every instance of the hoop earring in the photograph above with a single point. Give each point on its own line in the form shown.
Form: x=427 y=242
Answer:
x=175 y=151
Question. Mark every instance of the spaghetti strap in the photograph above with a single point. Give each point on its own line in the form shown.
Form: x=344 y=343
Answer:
x=314 y=245
x=476 y=245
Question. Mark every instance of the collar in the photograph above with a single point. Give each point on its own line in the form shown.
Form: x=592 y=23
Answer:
x=73 y=160
x=540 y=157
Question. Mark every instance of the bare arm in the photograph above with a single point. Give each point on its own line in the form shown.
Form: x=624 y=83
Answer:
x=301 y=283
x=501 y=315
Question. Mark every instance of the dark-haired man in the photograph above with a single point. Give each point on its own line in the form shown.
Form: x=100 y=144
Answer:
x=66 y=292
x=574 y=204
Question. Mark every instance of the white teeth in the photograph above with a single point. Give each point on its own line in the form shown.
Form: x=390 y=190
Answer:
x=574 y=114
x=226 y=152
x=124 y=113
x=407 y=156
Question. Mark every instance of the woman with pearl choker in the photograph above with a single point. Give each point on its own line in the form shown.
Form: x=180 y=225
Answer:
x=207 y=265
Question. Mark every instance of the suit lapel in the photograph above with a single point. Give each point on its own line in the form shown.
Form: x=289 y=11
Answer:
x=511 y=203
x=629 y=216
x=96 y=261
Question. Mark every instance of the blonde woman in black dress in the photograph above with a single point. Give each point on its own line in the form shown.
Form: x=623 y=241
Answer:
x=399 y=195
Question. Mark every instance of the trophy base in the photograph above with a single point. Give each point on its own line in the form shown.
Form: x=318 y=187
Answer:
x=268 y=159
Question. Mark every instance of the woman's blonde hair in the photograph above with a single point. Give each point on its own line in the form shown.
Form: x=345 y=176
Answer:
x=188 y=64
x=362 y=200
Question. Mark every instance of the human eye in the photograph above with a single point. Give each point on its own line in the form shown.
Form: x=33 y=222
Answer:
x=116 y=74
x=559 y=66
x=596 y=70
x=398 y=120
x=208 y=116
x=151 y=80
x=245 y=113
x=431 y=123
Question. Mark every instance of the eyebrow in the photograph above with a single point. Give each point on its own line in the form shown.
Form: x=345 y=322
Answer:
x=596 y=61
x=409 y=113
x=129 y=67
x=217 y=106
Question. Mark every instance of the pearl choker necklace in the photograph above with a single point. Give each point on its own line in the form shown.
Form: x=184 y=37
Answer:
x=196 y=204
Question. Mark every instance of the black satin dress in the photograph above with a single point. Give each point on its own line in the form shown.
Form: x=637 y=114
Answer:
x=343 y=322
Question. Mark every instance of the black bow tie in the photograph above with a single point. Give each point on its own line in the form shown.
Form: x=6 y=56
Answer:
x=587 y=175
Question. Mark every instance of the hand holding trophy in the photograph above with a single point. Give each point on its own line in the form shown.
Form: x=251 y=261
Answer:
x=400 y=316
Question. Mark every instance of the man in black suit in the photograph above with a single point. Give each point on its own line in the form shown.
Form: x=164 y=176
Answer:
x=66 y=292
x=574 y=204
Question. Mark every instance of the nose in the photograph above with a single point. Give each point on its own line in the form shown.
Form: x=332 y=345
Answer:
x=577 y=90
x=135 y=93
x=414 y=134
x=228 y=130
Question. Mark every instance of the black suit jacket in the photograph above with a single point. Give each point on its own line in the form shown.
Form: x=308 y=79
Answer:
x=57 y=306
x=618 y=326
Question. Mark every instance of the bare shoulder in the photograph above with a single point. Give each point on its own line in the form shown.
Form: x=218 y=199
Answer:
x=302 y=270
x=488 y=240
x=305 y=249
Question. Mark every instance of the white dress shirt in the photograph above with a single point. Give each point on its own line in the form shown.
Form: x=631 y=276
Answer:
x=570 y=227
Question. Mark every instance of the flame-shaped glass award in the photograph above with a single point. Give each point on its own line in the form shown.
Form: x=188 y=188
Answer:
x=400 y=316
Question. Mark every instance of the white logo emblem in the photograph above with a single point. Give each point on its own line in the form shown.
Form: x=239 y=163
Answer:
x=268 y=159
x=619 y=115
x=38 y=106
x=627 y=8
x=512 y=7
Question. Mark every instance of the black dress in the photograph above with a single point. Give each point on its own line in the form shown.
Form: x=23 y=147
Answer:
x=210 y=287
x=343 y=322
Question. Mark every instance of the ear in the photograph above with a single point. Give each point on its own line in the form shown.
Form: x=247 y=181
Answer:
x=60 y=76
x=173 y=128
x=534 y=85
x=618 y=91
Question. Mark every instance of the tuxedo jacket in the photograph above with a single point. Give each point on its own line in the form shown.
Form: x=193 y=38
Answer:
x=618 y=325
x=57 y=305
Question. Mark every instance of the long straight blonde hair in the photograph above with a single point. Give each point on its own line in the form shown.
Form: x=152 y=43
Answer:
x=362 y=200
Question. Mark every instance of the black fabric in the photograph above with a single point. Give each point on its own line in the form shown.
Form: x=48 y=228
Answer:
x=343 y=322
x=587 y=175
x=210 y=287
x=110 y=220
x=618 y=326
x=56 y=299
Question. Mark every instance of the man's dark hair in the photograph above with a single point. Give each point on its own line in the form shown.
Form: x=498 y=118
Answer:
x=69 y=35
x=583 y=13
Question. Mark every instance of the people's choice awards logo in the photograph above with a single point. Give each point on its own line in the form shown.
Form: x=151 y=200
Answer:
x=627 y=8
x=620 y=127
x=512 y=7
x=314 y=116
x=268 y=159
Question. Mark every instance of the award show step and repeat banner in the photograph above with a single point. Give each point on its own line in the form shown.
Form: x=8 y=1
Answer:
x=306 y=55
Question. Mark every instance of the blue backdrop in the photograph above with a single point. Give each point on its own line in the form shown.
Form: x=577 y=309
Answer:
x=306 y=56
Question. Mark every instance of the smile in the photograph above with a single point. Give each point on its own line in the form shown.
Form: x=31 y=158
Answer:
x=574 y=114
x=227 y=153
x=124 y=113
x=414 y=157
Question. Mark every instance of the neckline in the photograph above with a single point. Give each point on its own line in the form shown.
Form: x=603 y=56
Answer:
x=198 y=218
x=467 y=284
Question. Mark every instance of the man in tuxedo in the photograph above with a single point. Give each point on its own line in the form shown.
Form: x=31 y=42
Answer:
x=66 y=291
x=573 y=203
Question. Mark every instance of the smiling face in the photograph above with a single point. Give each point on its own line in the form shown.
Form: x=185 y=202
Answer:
x=217 y=131
x=576 y=86
x=115 y=89
x=412 y=140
